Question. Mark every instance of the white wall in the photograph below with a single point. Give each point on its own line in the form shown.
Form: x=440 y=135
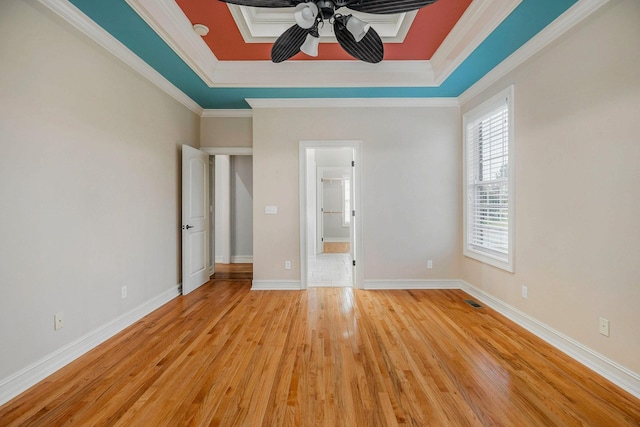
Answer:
x=226 y=132
x=89 y=185
x=411 y=187
x=242 y=208
x=577 y=157
x=334 y=157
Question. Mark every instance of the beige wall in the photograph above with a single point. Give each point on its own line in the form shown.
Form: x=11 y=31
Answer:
x=411 y=187
x=89 y=185
x=226 y=132
x=577 y=106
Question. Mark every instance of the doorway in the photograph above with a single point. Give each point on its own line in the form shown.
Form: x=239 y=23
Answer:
x=231 y=184
x=330 y=218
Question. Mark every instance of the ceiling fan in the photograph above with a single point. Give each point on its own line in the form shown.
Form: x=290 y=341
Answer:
x=355 y=36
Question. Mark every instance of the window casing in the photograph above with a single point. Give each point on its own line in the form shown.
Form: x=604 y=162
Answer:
x=489 y=171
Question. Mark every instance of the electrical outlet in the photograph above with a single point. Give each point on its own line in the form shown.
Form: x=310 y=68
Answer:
x=604 y=327
x=287 y=265
x=429 y=264
x=58 y=321
x=123 y=292
x=525 y=292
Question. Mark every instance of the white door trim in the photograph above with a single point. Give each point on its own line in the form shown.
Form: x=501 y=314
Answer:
x=357 y=205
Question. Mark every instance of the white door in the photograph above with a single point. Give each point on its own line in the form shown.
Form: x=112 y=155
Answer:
x=195 y=218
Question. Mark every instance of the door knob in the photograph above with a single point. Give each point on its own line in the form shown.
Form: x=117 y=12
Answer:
x=186 y=227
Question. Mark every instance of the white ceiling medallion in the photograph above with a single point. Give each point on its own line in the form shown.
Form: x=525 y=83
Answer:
x=264 y=25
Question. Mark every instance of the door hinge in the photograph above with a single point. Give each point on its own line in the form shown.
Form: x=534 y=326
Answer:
x=353 y=213
x=353 y=163
x=322 y=239
x=354 y=262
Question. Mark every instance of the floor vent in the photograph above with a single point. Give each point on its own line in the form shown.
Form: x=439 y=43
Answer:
x=472 y=303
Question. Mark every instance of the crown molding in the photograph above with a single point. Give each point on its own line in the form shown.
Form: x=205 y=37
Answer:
x=169 y=21
x=81 y=22
x=480 y=19
x=265 y=25
x=326 y=73
x=352 y=102
x=227 y=113
x=575 y=14
x=248 y=74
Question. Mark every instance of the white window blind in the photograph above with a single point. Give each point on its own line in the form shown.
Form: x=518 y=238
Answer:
x=488 y=209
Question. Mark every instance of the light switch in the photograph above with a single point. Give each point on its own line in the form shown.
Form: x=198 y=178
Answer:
x=271 y=210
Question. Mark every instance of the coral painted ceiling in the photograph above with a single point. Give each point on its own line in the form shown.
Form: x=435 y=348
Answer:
x=427 y=31
x=438 y=52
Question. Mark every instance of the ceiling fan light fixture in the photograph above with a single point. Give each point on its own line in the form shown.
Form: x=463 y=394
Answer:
x=310 y=45
x=357 y=27
x=355 y=36
x=305 y=14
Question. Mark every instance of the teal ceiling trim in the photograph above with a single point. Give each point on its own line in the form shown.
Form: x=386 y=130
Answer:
x=122 y=22
x=527 y=20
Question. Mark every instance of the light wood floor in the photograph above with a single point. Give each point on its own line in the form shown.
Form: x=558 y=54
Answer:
x=336 y=247
x=227 y=356
x=233 y=272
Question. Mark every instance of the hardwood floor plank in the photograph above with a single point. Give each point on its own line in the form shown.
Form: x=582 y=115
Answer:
x=225 y=355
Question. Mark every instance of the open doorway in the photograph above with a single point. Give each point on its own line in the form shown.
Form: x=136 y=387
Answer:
x=330 y=265
x=231 y=184
x=233 y=198
x=329 y=217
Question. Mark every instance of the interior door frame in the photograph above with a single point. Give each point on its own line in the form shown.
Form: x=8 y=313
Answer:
x=356 y=244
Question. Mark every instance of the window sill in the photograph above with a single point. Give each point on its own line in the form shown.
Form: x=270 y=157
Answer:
x=501 y=263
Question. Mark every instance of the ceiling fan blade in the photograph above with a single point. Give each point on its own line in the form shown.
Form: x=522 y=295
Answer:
x=369 y=49
x=388 y=6
x=288 y=44
x=263 y=3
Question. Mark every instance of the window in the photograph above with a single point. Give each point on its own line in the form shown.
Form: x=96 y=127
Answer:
x=488 y=170
x=346 y=202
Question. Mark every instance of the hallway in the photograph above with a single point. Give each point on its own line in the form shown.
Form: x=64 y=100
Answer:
x=330 y=270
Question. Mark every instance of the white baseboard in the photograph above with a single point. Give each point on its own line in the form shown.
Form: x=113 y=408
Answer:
x=15 y=384
x=614 y=372
x=242 y=259
x=411 y=284
x=217 y=259
x=276 y=285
